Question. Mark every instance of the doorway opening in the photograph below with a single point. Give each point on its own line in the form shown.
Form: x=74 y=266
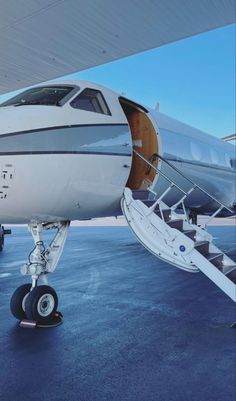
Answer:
x=144 y=140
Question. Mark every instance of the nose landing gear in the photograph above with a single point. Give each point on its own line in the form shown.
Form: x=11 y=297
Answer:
x=30 y=301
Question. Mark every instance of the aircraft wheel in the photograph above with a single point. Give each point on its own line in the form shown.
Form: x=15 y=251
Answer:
x=41 y=304
x=18 y=299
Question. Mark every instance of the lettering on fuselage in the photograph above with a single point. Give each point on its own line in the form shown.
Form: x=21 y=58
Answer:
x=6 y=177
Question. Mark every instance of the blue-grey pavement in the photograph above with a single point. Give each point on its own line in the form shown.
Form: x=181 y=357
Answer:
x=135 y=328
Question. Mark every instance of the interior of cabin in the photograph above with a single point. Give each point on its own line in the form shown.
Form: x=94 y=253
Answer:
x=144 y=140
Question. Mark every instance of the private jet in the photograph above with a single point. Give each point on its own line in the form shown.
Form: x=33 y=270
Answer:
x=75 y=150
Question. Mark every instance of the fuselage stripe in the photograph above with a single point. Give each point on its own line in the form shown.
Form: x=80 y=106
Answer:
x=36 y=130
x=97 y=139
x=63 y=153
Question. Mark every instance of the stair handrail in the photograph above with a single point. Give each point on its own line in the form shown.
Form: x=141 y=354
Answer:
x=183 y=175
x=193 y=183
x=159 y=171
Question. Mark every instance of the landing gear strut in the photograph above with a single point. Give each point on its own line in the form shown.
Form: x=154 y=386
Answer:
x=193 y=217
x=30 y=301
x=3 y=232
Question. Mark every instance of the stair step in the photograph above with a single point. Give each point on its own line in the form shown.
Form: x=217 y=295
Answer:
x=191 y=234
x=166 y=214
x=140 y=194
x=202 y=247
x=204 y=256
x=148 y=202
x=216 y=259
x=178 y=224
x=232 y=275
x=228 y=269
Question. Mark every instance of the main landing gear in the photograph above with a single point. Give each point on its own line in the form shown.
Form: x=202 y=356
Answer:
x=3 y=232
x=193 y=217
x=39 y=302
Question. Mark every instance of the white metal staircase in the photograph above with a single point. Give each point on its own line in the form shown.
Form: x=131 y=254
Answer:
x=171 y=236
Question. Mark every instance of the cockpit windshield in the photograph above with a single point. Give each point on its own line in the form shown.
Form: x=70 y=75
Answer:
x=44 y=95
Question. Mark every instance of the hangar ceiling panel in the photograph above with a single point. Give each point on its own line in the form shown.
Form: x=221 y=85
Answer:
x=45 y=39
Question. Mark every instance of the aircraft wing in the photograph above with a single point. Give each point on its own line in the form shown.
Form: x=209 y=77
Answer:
x=229 y=138
x=45 y=39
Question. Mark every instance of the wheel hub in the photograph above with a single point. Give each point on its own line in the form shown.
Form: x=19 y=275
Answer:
x=45 y=305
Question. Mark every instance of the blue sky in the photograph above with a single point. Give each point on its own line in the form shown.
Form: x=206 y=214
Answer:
x=192 y=79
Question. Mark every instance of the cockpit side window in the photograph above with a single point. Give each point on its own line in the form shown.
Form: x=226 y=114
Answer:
x=54 y=95
x=91 y=100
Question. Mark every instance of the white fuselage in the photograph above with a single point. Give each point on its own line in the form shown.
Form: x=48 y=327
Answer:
x=62 y=163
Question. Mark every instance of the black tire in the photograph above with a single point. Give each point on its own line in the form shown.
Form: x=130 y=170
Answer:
x=17 y=304
x=41 y=304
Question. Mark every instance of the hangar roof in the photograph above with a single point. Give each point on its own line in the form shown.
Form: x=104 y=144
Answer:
x=42 y=40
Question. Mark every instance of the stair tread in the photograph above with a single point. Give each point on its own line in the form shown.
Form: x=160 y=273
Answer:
x=148 y=202
x=165 y=213
x=140 y=194
x=176 y=224
x=212 y=256
x=229 y=269
x=174 y=220
x=202 y=247
x=232 y=275
x=191 y=234
x=199 y=243
x=216 y=259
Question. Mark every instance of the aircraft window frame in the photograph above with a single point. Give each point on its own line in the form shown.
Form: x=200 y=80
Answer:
x=93 y=104
x=65 y=99
x=10 y=102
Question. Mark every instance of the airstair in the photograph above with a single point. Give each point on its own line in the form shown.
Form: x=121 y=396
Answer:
x=172 y=237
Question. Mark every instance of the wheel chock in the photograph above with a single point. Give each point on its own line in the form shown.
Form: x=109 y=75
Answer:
x=32 y=324
x=27 y=324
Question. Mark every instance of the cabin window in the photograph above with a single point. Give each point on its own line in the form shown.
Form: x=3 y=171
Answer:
x=214 y=156
x=45 y=95
x=91 y=100
x=196 y=151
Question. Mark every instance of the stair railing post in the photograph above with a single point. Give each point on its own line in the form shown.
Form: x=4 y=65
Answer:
x=212 y=217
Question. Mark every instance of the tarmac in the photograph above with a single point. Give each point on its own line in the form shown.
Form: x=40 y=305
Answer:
x=135 y=328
